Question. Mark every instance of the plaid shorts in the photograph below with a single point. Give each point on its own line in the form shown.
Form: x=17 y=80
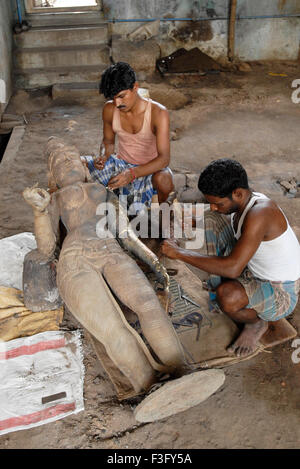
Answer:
x=271 y=300
x=139 y=192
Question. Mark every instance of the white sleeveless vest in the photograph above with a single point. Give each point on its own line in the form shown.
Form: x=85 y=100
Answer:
x=277 y=260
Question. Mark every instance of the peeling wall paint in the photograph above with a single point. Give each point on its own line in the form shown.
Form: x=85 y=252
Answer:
x=256 y=39
x=209 y=36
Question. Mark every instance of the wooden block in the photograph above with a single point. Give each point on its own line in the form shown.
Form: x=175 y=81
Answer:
x=278 y=332
x=40 y=291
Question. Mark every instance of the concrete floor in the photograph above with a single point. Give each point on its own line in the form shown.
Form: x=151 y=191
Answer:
x=247 y=116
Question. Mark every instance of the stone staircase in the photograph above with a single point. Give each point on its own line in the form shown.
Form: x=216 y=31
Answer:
x=61 y=49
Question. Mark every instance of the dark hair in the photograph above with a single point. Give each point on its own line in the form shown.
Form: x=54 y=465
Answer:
x=221 y=177
x=116 y=78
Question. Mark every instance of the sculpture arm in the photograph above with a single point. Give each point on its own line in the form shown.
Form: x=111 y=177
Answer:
x=118 y=223
x=45 y=219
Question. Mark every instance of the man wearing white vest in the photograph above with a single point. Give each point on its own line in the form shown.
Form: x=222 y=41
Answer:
x=253 y=254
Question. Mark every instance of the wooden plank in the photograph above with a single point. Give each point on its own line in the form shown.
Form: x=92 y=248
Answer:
x=231 y=30
x=279 y=332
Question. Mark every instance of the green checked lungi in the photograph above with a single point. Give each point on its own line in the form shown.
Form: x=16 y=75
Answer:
x=271 y=300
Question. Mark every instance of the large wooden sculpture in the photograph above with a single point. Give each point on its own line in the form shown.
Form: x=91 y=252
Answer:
x=91 y=267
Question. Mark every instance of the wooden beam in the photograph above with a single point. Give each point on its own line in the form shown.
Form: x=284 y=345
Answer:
x=231 y=29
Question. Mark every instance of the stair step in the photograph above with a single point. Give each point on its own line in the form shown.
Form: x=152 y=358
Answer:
x=41 y=57
x=80 y=90
x=71 y=68
x=43 y=77
x=72 y=36
x=63 y=18
x=59 y=48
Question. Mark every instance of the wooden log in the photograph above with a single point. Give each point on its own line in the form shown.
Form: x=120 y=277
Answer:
x=231 y=30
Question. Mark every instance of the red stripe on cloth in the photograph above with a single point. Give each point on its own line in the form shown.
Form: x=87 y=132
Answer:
x=32 y=349
x=37 y=416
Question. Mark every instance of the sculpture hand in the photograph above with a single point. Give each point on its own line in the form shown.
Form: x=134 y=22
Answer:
x=36 y=197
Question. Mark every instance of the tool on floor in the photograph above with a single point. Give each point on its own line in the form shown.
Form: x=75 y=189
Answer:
x=190 y=301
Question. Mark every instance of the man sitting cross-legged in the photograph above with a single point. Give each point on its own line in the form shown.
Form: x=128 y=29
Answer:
x=253 y=255
x=140 y=167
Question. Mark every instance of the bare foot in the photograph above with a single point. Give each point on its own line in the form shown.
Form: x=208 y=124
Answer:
x=247 y=342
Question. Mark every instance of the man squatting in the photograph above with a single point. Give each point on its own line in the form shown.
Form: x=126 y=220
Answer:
x=140 y=169
x=253 y=255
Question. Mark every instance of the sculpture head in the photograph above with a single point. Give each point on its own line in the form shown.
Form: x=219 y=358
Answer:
x=64 y=164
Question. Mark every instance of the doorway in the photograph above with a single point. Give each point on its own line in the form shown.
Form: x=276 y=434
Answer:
x=52 y=6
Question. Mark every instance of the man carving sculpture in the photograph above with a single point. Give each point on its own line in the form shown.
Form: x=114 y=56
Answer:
x=142 y=126
x=253 y=255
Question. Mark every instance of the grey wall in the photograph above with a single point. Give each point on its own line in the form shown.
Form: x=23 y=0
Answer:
x=256 y=39
x=166 y=8
x=6 y=44
x=270 y=39
x=209 y=36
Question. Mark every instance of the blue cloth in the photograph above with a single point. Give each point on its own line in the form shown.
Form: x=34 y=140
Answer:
x=271 y=300
x=140 y=190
